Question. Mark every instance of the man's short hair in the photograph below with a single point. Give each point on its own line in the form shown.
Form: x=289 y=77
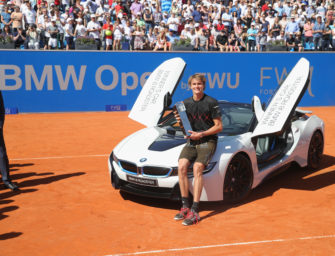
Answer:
x=197 y=76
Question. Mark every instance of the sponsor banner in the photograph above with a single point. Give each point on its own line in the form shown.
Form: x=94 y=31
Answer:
x=58 y=81
x=11 y=111
x=122 y=107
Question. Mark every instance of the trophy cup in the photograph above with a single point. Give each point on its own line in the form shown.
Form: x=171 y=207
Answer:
x=184 y=122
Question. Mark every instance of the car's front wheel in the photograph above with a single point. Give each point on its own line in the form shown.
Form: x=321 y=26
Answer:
x=238 y=179
x=315 y=150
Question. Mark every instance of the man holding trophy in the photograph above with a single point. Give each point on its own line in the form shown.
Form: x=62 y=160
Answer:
x=204 y=117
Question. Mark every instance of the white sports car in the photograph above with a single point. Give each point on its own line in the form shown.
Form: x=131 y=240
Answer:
x=254 y=144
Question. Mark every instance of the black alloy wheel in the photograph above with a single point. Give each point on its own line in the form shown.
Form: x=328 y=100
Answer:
x=315 y=150
x=238 y=179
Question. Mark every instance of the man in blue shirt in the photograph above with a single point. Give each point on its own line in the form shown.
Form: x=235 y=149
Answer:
x=310 y=11
x=197 y=14
x=292 y=27
x=236 y=9
x=171 y=38
x=288 y=9
x=252 y=33
x=280 y=10
x=318 y=30
x=166 y=5
x=227 y=19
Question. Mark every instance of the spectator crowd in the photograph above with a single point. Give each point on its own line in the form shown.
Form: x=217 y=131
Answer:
x=163 y=25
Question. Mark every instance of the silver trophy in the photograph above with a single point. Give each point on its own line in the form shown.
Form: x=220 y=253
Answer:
x=184 y=122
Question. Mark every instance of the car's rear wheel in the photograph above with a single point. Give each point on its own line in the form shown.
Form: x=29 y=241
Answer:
x=315 y=150
x=238 y=179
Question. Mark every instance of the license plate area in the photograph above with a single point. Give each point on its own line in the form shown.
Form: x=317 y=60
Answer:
x=142 y=181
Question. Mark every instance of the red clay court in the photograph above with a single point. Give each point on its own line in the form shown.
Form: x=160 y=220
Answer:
x=67 y=205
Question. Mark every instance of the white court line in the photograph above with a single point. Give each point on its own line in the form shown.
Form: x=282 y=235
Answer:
x=224 y=245
x=55 y=157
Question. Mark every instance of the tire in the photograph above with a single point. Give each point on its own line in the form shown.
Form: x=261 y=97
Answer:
x=315 y=151
x=238 y=179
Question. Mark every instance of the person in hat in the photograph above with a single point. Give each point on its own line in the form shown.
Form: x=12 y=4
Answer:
x=222 y=40
x=186 y=32
x=318 y=30
x=299 y=42
x=165 y=17
x=173 y=23
x=80 y=29
x=93 y=29
x=198 y=28
x=69 y=34
x=139 y=20
x=290 y=43
x=53 y=31
x=171 y=38
x=252 y=33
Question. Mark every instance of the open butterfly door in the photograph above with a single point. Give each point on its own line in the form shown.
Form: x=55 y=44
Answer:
x=279 y=112
x=161 y=84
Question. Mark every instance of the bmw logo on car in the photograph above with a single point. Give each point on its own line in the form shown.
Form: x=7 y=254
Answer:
x=143 y=159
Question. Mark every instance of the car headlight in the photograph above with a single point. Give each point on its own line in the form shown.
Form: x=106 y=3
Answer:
x=208 y=168
x=116 y=160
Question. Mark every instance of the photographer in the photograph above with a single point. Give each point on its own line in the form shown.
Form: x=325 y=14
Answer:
x=33 y=38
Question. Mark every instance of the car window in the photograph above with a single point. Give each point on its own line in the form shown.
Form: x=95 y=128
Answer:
x=236 y=119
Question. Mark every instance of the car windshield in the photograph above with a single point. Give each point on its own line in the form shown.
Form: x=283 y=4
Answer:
x=236 y=118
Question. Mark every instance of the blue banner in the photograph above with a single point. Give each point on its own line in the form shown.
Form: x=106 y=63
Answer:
x=60 y=81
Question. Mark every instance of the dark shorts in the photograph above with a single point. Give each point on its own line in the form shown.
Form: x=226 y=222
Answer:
x=201 y=152
x=69 y=40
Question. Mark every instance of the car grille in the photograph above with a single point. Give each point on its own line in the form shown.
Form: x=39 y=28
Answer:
x=146 y=170
x=155 y=171
x=128 y=166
